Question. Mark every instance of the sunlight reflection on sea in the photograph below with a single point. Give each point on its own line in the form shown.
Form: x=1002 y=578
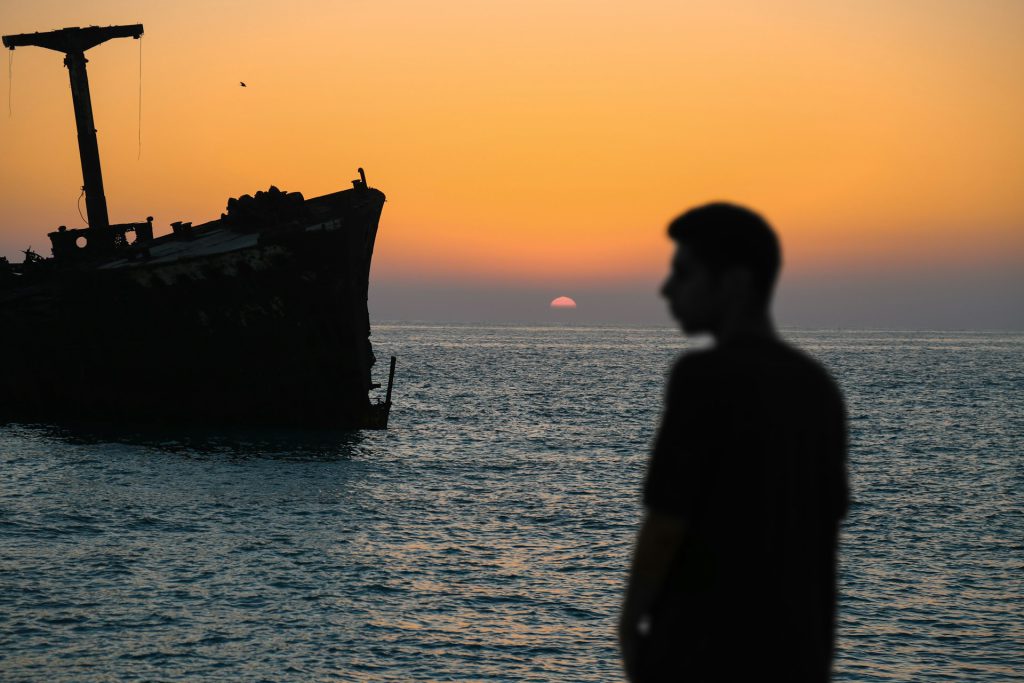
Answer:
x=485 y=536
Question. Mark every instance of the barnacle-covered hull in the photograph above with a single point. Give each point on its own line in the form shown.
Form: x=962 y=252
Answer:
x=259 y=317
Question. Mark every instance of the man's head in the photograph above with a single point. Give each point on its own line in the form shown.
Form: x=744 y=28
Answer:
x=726 y=262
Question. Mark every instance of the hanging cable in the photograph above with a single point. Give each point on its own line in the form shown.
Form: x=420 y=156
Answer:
x=140 y=99
x=10 y=81
x=84 y=219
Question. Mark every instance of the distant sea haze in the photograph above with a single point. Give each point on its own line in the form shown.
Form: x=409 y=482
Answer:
x=945 y=300
x=486 y=534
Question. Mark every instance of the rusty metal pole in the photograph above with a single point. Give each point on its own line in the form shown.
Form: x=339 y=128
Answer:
x=88 y=147
x=391 y=380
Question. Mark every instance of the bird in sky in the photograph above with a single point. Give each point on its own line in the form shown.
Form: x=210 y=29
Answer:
x=243 y=84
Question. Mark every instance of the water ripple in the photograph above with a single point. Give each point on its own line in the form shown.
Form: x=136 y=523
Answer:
x=486 y=535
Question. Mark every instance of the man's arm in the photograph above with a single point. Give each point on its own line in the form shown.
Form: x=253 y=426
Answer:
x=656 y=546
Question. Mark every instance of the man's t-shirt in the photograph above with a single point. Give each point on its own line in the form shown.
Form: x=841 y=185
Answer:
x=751 y=454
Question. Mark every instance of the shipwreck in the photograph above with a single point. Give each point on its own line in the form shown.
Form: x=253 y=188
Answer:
x=257 y=317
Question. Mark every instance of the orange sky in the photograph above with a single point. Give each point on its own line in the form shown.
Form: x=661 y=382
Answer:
x=546 y=140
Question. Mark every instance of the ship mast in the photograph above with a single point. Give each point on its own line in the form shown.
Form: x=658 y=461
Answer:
x=73 y=42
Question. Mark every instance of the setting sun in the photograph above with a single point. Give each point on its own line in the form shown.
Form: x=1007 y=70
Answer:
x=563 y=302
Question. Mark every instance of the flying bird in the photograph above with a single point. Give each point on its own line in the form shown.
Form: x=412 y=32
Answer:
x=243 y=84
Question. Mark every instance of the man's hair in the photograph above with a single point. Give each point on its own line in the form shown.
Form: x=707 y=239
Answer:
x=723 y=236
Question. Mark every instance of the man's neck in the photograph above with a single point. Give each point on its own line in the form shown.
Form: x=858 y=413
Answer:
x=744 y=325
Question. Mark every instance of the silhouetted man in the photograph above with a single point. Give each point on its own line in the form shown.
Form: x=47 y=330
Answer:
x=733 y=576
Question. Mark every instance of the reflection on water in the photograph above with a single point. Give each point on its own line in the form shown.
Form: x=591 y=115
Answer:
x=486 y=535
x=241 y=442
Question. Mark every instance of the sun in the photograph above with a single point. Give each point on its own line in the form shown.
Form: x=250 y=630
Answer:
x=563 y=302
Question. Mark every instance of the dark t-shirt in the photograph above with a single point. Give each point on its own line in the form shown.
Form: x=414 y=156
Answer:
x=751 y=454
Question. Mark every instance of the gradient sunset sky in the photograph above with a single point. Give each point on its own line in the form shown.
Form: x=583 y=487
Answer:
x=533 y=149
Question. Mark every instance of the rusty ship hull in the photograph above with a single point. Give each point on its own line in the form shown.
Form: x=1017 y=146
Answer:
x=258 y=318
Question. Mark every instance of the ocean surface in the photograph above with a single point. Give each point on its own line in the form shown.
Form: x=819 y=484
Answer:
x=485 y=536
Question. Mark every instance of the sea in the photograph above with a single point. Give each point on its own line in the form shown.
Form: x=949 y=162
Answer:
x=485 y=535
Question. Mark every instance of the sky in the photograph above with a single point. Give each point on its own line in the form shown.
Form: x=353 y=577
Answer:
x=532 y=149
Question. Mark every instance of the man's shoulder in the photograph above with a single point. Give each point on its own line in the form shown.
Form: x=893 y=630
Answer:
x=799 y=359
x=806 y=367
x=771 y=360
x=752 y=352
x=694 y=360
x=696 y=366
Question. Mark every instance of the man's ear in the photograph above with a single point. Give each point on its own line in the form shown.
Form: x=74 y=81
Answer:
x=737 y=283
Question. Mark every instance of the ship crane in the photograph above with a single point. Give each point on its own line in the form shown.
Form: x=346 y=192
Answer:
x=73 y=42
